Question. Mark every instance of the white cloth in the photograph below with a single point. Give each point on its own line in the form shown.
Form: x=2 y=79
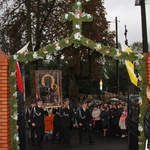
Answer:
x=146 y=145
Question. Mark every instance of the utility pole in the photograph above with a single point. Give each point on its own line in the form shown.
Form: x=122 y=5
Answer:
x=117 y=61
x=144 y=26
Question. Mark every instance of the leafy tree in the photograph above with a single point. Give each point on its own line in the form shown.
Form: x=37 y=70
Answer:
x=138 y=47
x=40 y=22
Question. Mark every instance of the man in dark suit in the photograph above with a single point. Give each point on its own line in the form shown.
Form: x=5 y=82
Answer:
x=37 y=120
x=147 y=120
x=28 y=118
x=84 y=119
x=56 y=122
x=66 y=118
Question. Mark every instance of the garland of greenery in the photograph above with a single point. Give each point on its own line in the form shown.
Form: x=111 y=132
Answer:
x=76 y=39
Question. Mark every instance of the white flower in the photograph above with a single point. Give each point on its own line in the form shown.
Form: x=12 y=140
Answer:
x=13 y=74
x=89 y=16
x=15 y=57
x=66 y=16
x=57 y=47
x=78 y=14
x=48 y=57
x=15 y=116
x=140 y=56
x=67 y=40
x=35 y=55
x=140 y=128
x=78 y=36
x=15 y=94
x=16 y=137
x=118 y=52
x=77 y=26
x=98 y=46
x=78 y=3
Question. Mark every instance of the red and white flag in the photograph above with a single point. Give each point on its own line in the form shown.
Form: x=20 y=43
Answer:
x=20 y=83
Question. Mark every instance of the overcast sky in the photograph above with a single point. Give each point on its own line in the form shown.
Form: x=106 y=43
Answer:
x=130 y=15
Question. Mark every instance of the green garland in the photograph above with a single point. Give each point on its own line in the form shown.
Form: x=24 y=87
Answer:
x=76 y=40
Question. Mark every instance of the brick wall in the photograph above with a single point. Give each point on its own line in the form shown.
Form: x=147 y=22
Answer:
x=4 y=103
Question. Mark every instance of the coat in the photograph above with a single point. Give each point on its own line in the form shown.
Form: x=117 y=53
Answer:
x=147 y=123
x=84 y=116
x=104 y=118
x=122 y=122
x=49 y=126
x=66 y=116
x=37 y=116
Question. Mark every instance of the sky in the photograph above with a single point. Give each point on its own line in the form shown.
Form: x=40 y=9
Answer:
x=130 y=15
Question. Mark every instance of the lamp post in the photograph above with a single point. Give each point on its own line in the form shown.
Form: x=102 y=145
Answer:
x=117 y=46
x=144 y=27
x=101 y=88
x=117 y=61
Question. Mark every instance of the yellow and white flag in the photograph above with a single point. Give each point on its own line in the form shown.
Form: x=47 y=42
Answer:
x=130 y=69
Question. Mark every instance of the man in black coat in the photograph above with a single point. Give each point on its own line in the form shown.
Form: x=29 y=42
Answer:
x=28 y=118
x=147 y=119
x=66 y=118
x=37 y=120
x=84 y=119
x=57 y=128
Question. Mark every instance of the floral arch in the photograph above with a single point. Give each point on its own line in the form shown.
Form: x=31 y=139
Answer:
x=76 y=39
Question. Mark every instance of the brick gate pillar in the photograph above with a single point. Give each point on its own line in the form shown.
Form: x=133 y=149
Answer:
x=4 y=103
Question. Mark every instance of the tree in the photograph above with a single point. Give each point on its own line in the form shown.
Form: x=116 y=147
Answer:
x=40 y=22
x=137 y=47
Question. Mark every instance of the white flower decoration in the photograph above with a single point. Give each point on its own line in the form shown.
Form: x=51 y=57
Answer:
x=140 y=56
x=18 y=148
x=118 y=52
x=48 y=57
x=35 y=55
x=15 y=116
x=57 y=47
x=98 y=46
x=78 y=3
x=77 y=26
x=78 y=36
x=15 y=57
x=15 y=94
x=140 y=128
x=67 y=40
x=16 y=137
x=13 y=74
x=66 y=16
x=89 y=16
x=78 y=14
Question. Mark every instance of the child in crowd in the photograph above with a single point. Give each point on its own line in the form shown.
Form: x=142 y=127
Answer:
x=122 y=124
x=49 y=127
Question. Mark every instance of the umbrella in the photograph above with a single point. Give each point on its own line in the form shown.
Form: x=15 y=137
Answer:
x=114 y=99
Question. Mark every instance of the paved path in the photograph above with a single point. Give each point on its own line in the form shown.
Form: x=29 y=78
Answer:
x=101 y=143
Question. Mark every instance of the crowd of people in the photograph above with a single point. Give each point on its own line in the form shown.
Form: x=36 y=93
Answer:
x=54 y=124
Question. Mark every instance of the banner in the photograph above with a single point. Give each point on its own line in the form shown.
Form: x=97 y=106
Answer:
x=130 y=69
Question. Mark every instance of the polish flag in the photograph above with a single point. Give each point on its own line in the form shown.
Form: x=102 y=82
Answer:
x=19 y=79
